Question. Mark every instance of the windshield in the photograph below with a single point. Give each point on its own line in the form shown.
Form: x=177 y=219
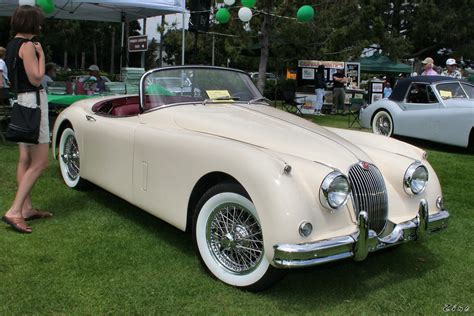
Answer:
x=451 y=90
x=196 y=84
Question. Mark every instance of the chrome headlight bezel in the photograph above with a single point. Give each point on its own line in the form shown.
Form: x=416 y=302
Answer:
x=411 y=174
x=326 y=188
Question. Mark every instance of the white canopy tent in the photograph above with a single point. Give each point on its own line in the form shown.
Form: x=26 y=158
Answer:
x=105 y=10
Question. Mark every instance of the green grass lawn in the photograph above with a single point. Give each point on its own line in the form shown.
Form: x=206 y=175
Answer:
x=101 y=255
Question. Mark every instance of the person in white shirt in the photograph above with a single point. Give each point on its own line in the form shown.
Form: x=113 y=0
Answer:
x=3 y=69
x=4 y=84
x=451 y=70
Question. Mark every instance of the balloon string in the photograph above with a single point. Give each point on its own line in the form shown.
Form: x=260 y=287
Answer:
x=258 y=11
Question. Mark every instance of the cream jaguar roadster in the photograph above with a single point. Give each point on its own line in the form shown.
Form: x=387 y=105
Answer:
x=261 y=190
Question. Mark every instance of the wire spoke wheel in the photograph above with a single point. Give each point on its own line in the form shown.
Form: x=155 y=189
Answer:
x=229 y=239
x=234 y=238
x=382 y=124
x=70 y=160
x=71 y=157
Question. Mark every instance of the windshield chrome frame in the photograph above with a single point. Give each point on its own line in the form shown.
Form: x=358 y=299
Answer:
x=142 y=94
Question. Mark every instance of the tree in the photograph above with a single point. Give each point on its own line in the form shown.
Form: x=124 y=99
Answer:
x=151 y=55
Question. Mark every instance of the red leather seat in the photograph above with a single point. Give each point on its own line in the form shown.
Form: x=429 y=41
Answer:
x=80 y=88
x=126 y=110
x=69 y=89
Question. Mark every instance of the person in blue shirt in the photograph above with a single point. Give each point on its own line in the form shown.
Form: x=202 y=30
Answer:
x=387 y=91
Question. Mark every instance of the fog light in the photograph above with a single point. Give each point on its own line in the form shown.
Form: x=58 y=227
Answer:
x=306 y=229
x=440 y=203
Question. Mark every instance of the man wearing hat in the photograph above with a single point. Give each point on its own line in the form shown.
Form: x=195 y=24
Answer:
x=428 y=64
x=451 y=70
x=95 y=76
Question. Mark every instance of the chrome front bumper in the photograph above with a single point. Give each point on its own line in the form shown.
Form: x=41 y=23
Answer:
x=360 y=243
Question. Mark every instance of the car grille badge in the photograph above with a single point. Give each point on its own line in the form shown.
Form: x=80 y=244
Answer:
x=364 y=165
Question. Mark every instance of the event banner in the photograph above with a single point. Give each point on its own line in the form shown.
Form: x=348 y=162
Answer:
x=316 y=63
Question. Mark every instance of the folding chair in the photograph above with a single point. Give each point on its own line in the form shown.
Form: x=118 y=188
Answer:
x=291 y=101
x=5 y=113
x=354 y=111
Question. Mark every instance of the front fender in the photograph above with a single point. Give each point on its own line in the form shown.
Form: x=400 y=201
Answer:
x=176 y=160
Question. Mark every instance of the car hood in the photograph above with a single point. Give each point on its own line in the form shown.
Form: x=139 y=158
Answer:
x=272 y=129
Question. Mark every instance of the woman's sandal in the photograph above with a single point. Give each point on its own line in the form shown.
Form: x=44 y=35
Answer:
x=18 y=224
x=38 y=215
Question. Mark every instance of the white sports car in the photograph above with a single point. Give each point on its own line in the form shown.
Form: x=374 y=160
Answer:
x=260 y=189
x=435 y=108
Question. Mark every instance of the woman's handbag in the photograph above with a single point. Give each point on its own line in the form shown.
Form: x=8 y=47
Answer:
x=25 y=121
x=24 y=124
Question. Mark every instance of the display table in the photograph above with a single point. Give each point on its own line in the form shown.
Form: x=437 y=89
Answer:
x=309 y=93
x=67 y=99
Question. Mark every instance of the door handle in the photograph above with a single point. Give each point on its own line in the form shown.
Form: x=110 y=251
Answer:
x=90 y=118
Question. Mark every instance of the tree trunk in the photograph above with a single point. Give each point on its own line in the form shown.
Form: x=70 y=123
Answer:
x=112 y=53
x=265 y=43
x=83 y=60
x=94 y=57
x=162 y=40
x=65 y=60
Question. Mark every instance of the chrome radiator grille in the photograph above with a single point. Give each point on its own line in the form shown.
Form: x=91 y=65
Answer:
x=369 y=194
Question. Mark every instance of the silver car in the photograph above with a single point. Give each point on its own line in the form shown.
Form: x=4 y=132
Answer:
x=435 y=108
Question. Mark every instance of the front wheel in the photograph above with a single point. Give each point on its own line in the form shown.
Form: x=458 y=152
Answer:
x=69 y=160
x=382 y=124
x=229 y=239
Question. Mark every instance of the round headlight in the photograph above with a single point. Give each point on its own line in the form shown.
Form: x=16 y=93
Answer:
x=334 y=191
x=416 y=178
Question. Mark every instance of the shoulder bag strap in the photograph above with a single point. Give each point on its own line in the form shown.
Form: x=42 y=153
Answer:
x=15 y=68
x=15 y=72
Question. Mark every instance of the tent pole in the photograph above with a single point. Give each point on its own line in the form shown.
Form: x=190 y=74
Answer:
x=213 y=48
x=183 y=46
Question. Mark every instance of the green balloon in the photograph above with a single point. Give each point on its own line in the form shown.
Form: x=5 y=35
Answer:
x=248 y=3
x=305 y=13
x=46 y=5
x=223 y=15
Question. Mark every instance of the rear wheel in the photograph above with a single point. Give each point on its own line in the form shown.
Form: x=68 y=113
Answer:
x=69 y=160
x=382 y=124
x=229 y=239
x=470 y=141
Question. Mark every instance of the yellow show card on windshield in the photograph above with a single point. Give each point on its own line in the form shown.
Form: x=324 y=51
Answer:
x=445 y=94
x=219 y=94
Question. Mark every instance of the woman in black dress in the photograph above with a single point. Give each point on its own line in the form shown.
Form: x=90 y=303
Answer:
x=29 y=71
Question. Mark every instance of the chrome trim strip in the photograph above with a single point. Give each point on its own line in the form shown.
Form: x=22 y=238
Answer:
x=360 y=243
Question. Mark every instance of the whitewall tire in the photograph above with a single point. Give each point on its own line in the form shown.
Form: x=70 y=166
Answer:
x=229 y=239
x=382 y=124
x=69 y=159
